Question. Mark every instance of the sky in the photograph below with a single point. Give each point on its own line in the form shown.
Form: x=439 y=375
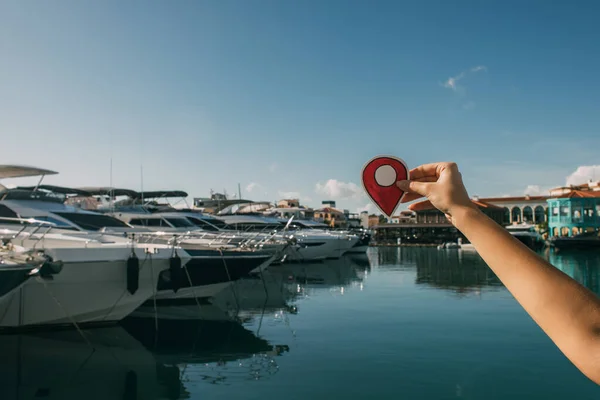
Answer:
x=290 y=99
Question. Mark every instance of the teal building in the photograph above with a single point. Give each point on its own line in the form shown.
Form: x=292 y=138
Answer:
x=574 y=213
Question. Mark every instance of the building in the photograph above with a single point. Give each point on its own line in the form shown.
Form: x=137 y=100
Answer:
x=518 y=209
x=328 y=203
x=288 y=203
x=430 y=225
x=296 y=212
x=428 y=214
x=574 y=210
x=331 y=216
x=405 y=217
x=364 y=219
x=372 y=221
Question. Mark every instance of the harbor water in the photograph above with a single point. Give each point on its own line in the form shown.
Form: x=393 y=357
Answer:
x=397 y=323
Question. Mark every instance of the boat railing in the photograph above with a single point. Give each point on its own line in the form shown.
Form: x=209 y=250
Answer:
x=36 y=224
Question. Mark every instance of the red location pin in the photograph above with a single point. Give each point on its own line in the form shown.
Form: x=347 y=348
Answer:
x=379 y=177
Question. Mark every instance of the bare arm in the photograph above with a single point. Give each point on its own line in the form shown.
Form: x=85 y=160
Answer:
x=568 y=312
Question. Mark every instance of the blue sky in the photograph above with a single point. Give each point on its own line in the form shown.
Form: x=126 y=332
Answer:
x=293 y=98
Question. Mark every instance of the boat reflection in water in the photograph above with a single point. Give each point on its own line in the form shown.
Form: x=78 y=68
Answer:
x=336 y=275
x=155 y=354
x=205 y=351
x=62 y=365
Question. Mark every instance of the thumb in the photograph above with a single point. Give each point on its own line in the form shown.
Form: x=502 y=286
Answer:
x=421 y=188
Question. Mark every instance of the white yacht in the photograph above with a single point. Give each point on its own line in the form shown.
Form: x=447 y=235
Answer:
x=103 y=277
x=312 y=244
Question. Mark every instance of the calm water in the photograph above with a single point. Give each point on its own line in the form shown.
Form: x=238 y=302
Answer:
x=397 y=323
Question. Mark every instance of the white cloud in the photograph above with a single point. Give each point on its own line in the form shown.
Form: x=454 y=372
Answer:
x=337 y=190
x=251 y=186
x=452 y=82
x=535 y=190
x=288 y=195
x=369 y=207
x=273 y=167
x=294 y=195
x=479 y=68
x=584 y=174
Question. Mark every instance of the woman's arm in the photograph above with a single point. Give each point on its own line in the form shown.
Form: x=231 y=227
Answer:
x=568 y=312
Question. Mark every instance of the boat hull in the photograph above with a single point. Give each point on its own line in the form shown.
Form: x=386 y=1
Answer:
x=207 y=273
x=86 y=291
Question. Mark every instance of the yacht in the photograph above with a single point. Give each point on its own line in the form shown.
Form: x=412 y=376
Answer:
x=17 y=265
x=313 y=244
x=217 y=259
x=527 y=234
x=103 y=277
x=216 y=262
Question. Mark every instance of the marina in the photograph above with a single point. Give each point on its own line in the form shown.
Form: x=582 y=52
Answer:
x=171 y=302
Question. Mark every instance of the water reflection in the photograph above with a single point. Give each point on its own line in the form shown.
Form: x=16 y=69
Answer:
x=336 y=275
x=457 y=271
x=62 y=365
x=583 y=266
x=159 y=352
x=205 y=351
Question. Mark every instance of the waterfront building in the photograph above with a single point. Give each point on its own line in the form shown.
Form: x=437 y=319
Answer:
x=368 y=221
x=328 y=203
x=296 y=212
x=353 y=219
x=288 y=203
x=574 y=210
x=520 y=209
x=331 y=216
x=430 y=225
x=405 y=217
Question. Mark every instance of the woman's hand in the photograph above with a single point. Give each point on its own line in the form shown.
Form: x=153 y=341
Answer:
x=441 y=183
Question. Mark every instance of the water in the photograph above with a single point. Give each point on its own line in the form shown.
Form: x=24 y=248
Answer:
x=397 y=323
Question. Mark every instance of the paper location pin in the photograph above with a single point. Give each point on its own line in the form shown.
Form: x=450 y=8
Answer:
x=379 y=177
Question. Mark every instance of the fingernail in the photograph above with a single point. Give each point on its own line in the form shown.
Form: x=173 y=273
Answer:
x=402 y=185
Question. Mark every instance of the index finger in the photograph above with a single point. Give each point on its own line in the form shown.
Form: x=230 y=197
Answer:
x=424 y=170
x=428 y=170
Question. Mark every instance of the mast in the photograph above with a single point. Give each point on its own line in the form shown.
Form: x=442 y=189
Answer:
x=142 y=182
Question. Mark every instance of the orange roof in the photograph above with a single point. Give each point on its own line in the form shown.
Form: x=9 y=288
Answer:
x=426 y=205
x=515 y=198
x=329 y=210
x=579 y=194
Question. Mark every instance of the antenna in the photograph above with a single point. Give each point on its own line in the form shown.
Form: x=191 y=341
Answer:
x=142 y=181
x=111 y=193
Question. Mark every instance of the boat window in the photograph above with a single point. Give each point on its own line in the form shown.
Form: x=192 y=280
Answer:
x=216 y=222
x=203 y=224
x=152 y=222
x=7 y=215
x=93 y=222
x=180 y=222
x=58 y=223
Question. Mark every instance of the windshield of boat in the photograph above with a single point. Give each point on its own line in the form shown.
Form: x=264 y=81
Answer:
x=92 y=222
x=180 y=222
x=205 y=225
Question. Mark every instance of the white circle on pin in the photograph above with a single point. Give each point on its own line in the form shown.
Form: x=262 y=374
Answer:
x=385 y=175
